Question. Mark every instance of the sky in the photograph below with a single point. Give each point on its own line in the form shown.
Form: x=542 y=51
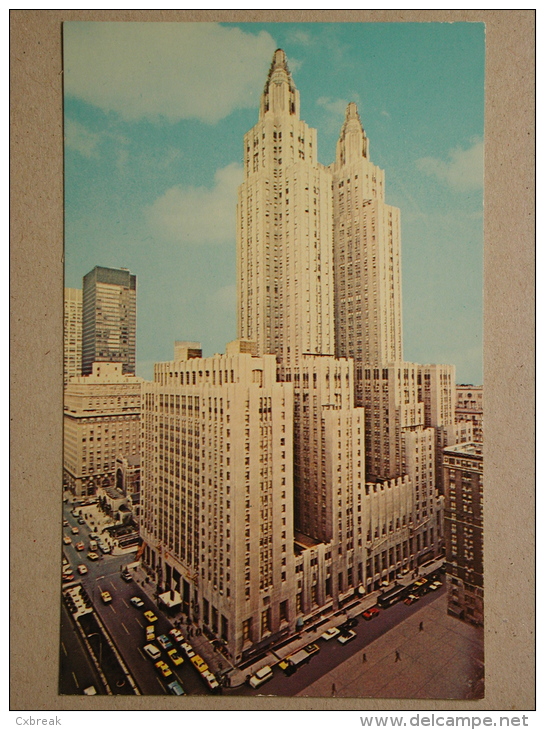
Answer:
x=154 y=119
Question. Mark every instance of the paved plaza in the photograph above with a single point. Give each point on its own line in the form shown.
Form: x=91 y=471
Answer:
x=444 y=660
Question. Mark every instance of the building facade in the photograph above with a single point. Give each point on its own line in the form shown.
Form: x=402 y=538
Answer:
x=463 y=477
x=101 y=424
x=109 y=318
x=72 y=333
x=304 y=466
x=284 y=230
x=469 y=408
x=217 y=492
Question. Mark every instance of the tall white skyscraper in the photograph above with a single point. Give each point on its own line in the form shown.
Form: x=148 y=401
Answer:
x=367 y=256
x=284 y=230
x=298 y=470
x=72 y=333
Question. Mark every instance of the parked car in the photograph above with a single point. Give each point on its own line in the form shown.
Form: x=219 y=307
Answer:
x=67 y=540
x=371 y=613
x=105 y=548
x=152 y=651
x=175 y=688
x=127 y=577
x=312 y=649
x=164 y=641
x=67 y=577
x=65 y=523
x=199 y=663
x=261 y=676
x=136 y=601
x=435 y=585
x=211 y=681
x=81 y=521
x=150 y=616
x=188 y=650
x=348 y=636
x=163 y=667
x=331 y=633
x=177 y=635
x=348 y=624
x=412 y=598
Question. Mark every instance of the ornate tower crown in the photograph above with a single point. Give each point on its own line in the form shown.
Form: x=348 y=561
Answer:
x=279 y=95
x=352 y=144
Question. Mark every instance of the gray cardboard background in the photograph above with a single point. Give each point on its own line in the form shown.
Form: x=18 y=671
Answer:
x=36 y=360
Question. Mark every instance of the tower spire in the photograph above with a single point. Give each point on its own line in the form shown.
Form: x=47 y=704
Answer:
x=352 y=144
x=279 y=95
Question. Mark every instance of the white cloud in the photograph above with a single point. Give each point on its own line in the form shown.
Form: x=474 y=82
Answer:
x=79 y=138
x=196 y=215
x=132 y=68
x=462 y=171
x=333 y=106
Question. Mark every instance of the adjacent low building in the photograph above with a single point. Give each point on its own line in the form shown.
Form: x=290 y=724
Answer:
x=101 y=424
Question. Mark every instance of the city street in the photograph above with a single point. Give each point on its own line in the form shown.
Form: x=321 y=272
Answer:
x=125 y=623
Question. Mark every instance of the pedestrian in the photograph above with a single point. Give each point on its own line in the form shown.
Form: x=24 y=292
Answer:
x=333 y=690
x=421 y=626
x=398 y=656
x=364 y=657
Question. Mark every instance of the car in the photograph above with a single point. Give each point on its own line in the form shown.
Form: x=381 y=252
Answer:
x=150 y=616
x=64 y=560
x=435 y=585
x=164 y=641
x=105 y=548
x=150 y=633
x=348 y=636
x=75 y=531
x=67 y=540
x=177 y=635
x=199 y=663
x=412 y=598
x=420 y=582
x=188 y=650
x=94 y=536
x=175 y=657
x=92 y=556
x=312 y=649
x=83 y=569
x=261 y=676
x=211 y=681
x=127 y=577
x=65 y=523
x=331 y=633
x=67 y=577
x=91 y=690
x=80 y=546
x=152 y=651
x=81 y=521
x=106 y=597
x=163 y=667
x=370 y=613
x=348 y=624
x=175 y=688
x=136 y=601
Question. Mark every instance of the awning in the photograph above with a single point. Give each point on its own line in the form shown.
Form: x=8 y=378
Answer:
x=170 y=598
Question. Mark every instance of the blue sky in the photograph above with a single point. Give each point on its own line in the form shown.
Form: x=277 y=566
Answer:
x=155 y=115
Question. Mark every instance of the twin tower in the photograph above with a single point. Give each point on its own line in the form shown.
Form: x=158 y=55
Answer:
x=318 y=248
x=303 y=466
